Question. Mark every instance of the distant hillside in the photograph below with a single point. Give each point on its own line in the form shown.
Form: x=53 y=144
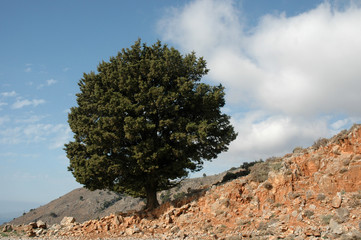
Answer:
x=84 y=205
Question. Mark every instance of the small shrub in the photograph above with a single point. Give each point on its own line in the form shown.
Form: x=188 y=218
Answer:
x=308 y=213
x=229 y=176
x=54 y=215
x=267 y=186
x=81 y=198
x=355 y=200
x=276 y=166
x=259 y=172
x=325 y=219
x=321 y=197
x=278 y=205
x=204 y=175
x=321 y=142
x=262 y=226
x=343 y=170
x=297 y=150
x=247 y=165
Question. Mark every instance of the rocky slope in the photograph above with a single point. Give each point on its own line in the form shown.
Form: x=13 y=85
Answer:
x=85 y=205
x=313 y=193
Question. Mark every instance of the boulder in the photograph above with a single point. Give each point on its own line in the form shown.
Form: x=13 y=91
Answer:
x=41 y=224
x=67 y=221
x=7 y=228
x=335 y=227
x=337 y=200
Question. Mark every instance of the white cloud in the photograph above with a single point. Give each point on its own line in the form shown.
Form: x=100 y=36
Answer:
x=20 y=103
x=8 y=94
x=54 y=135
x=47 y=83
x=288 y=79
x=50 y=82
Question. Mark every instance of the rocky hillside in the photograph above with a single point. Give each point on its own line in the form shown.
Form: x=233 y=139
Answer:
x=312 y=193
x=85 y=205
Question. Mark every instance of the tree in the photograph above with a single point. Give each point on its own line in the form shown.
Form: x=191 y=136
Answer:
x=144 y=121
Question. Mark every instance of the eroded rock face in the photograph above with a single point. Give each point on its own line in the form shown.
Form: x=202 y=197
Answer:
x=313 y=193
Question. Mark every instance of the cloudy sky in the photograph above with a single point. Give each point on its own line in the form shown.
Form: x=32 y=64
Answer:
x=292 y=72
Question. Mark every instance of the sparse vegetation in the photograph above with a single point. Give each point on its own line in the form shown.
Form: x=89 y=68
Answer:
x=321 y=142
x=355 y=200
x=321 y=197
x=325 y=219
x=54 y=215
x=297 y=150
x=343 y=170
x=309 y=213
x=110 y=203
x=267 y=186
x=259 y=171
x=230 y=176
x=246 y=165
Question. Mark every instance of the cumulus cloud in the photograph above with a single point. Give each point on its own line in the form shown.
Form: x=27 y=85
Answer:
x=20 y=103
x=289 y=79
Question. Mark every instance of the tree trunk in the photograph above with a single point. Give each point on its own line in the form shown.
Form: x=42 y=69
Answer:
x=152 y=201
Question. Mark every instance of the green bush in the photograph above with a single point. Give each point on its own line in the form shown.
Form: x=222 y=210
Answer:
x=259 y=172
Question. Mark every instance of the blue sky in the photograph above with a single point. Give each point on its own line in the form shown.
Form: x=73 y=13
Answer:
x=290 y=68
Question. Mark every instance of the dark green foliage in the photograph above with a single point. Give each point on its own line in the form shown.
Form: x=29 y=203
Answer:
x=145 y=121
x=231 y=176
x=54 y=215
x=247 y=165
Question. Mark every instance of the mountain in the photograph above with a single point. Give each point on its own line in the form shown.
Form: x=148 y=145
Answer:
x=311 y=193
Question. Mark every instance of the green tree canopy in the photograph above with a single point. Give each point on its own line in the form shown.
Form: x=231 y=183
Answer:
x=144 y=121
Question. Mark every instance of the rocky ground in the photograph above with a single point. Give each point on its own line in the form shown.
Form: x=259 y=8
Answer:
x=312 y=193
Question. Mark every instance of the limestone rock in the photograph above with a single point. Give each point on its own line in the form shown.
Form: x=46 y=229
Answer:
x=132 y=230
x=41 y=224
x=335 y=227
x=67 y=221
x=7 y=228
x=337 y=200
